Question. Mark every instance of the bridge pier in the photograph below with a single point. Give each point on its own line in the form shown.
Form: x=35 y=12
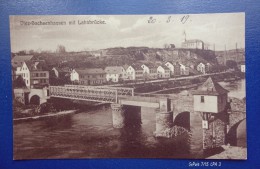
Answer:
x=164 y=118
x=214 y=129
x=164 y=122
x=118 y=115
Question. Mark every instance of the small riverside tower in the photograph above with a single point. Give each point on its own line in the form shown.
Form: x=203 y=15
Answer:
x=211 y=101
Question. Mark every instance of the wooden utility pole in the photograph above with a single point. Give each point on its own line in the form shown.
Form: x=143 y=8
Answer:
x=225 y=56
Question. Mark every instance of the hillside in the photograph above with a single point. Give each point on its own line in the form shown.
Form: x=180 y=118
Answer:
x=237 y=55
x=122 y=56
x=185 y=56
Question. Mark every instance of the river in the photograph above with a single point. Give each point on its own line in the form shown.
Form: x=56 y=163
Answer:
x=90 y=134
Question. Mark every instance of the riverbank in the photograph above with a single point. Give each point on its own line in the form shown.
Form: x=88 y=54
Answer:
x=179 y=83
x=231 y=152
x=46 y=116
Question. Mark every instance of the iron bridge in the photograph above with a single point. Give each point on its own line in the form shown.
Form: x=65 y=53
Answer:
x=102 y=94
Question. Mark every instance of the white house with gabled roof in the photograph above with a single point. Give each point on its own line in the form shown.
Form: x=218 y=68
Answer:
x=170 y=66
x=201 y=67
x=115 y=73
x=163 y=71
x=134 y=72
x=74 y=76
x=184 y=70
x=149 y=71
x=24 y=72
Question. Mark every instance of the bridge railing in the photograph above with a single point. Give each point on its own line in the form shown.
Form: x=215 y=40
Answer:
x=82 y=93
x=121 y=91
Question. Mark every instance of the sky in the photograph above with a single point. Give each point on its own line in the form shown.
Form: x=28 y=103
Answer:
x=219 y=30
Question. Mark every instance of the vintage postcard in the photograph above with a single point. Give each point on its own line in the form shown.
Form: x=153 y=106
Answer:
x=129 y=86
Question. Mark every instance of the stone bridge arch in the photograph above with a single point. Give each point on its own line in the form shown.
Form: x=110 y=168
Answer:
x=183 y=120
x=236 y=135
x=35 y=94
x=35 y=99
x=182 y=106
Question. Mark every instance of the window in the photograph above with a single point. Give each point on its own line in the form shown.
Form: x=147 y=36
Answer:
x=202 y=100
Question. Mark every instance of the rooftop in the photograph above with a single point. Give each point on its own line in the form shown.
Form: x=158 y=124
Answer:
x=114 y=69
x=164 y=67
x=65 y=69
x=91 y=71
x=36 y=65
x=210 y=87
x=151 y=65
x=19 y=59
x=137 y=66
x=193 y=41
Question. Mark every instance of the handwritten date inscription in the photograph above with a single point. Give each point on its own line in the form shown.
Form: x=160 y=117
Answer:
x=169 y=19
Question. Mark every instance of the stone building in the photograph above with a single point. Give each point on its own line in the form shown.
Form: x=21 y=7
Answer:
x=134 y=72
x=193 y=44
x=211 y=101
x=163 y=71
x=115 y=73
x=33 y=73
x=92 y=76
x=149 y=71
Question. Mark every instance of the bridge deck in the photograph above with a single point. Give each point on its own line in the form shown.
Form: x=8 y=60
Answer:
x=152 y=102
x=103 y=94
x=90 y=93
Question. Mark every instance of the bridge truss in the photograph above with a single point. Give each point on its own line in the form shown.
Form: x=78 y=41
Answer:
x=101 y=94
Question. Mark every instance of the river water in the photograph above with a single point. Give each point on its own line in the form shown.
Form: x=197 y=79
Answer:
x=90 y=134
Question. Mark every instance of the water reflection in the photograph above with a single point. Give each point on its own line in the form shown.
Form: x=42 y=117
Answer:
x=236 y=89
x=90 y=134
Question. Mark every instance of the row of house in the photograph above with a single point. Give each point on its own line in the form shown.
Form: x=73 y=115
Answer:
x=34 y=72
x=137 y=71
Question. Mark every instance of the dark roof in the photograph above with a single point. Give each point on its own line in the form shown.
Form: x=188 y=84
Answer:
x=210 y=87
x=64 y=70
x=151 y=65
x=22 y=58
x=171 y=62
x=125 y=66
x=193 y=41
x=91 y=71
x=113 y=69
x=194 y=72
x=164 y=66
x=18 y=60
x=36 y=65
x=137 y=66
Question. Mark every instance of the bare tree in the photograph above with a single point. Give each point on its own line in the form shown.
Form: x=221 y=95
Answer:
x=61 y=49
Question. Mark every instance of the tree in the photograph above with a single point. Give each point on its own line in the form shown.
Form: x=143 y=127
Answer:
x=31 y=52
x=61 y=49
x=231 y=64
x=172 y=45
x=166 y=46
x=19 y=82
x=22 y=52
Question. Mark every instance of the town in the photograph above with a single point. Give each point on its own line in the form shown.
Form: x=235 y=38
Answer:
x=122 y=66
x=46 y=84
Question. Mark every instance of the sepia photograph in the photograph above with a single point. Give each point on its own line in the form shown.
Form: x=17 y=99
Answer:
x=129 y=86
